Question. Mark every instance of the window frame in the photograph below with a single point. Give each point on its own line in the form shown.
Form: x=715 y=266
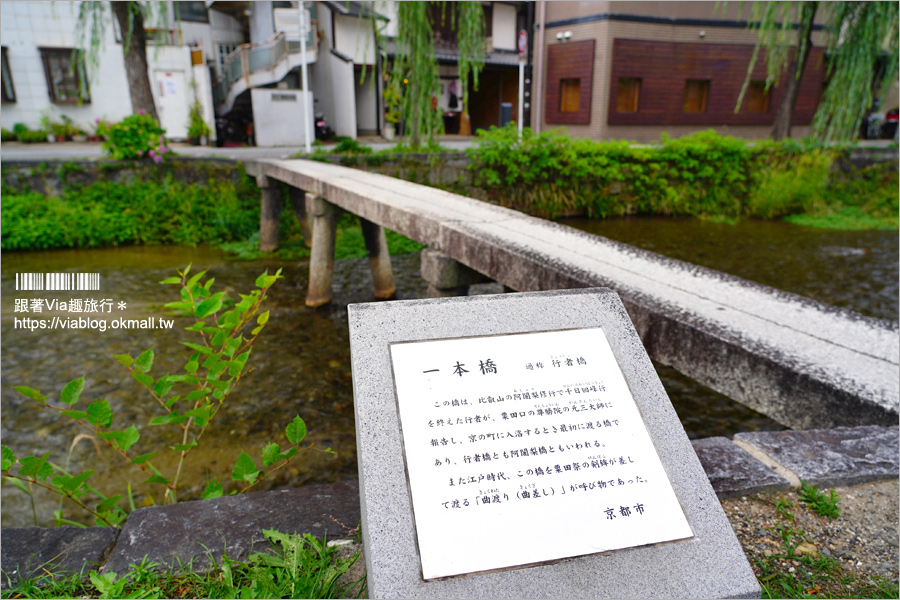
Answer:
x=82 y=91
x=192 y=16
x=570 y=60
x=749 y=104
x=8 y=92
x=704 y=86
x=569 y=92
x=634 y=101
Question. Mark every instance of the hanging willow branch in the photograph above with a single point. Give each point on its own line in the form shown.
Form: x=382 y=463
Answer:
x=415 y=69
x=471 y=35
x=90 y=31
x=861 y=54
x=92 y=20
x=861 y=35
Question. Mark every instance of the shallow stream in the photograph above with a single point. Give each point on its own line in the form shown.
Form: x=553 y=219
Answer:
x=302 y=363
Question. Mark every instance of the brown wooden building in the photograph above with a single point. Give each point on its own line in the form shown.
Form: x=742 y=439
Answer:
x=633 y=70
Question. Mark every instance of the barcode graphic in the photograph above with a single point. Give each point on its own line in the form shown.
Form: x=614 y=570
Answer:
x=58 y=281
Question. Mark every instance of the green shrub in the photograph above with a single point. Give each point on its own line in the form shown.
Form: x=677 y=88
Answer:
x=32 y=137
x=196 y=125
x=135 y=137
x=7 y=136
x=703 y=174
x=349 y=146
x=113 y=214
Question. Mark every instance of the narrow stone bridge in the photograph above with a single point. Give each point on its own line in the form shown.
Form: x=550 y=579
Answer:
x=802 y=363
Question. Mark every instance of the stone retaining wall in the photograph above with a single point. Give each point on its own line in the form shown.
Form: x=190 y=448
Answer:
x=448 y=170
x=53 y=176
x=197 y=531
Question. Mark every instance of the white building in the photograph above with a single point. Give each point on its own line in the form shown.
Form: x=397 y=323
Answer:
x=243 y=62
x=41 y=83
x=259 y=81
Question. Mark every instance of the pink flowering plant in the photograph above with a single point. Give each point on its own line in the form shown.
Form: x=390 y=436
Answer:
x=135 y=137
x=101 y=127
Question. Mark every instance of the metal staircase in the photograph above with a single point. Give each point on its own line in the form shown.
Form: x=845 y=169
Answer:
x=260 y=64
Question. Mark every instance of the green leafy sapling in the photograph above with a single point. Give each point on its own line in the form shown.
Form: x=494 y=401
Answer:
x=188 y=401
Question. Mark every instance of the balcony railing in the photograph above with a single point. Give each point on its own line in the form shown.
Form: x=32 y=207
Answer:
x=262 y=56
x=164 y=37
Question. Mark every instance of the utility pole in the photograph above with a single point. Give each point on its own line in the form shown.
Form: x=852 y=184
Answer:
x=307 y=118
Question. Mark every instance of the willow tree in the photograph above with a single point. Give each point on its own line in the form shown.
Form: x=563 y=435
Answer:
x=858 y=35
x=415 y=69
x=862 y=50
x=471 y=36
x=131 y=17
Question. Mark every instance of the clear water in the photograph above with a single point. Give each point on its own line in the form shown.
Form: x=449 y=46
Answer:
x=302 y=360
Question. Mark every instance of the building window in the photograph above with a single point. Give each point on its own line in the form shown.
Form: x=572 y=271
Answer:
x=569 y=83
x=757 y=97
x=569 y=95
x=192 y=11
x=628 y=95
x=9 y=92
x=696 y=93
x=66 y=80
x=222 y=52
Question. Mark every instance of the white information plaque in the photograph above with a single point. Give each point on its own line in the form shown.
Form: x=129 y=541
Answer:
x=526 y=448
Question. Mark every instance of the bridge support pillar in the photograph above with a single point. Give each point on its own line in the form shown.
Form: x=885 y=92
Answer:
x=379 y=259
x=270 y=209
x=447 y=277
x=300 y=200
x=321 y=260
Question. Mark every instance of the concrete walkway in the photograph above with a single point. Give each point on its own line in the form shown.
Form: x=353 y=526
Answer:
x=94 y=150
x=803 y=363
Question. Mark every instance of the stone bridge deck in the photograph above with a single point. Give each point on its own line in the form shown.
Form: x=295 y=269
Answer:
x=803 y=363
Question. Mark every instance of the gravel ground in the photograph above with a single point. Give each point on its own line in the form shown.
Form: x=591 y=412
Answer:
x=864 y=538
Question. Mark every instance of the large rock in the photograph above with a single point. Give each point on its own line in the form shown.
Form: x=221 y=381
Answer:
x=830 y=457
x=27 y=551
x=733 y=472
x=233 y=525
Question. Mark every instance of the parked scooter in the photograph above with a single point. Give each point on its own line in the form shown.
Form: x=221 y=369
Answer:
x=323 y=131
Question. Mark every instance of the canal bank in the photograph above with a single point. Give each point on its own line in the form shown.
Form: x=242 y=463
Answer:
x=297 y=348
x=861 y=463
x=362 y=289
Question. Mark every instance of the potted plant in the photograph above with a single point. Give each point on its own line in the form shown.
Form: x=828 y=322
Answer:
x=69 y=129
x=47 y=128
x=198 y=130
x=101 y=130
x=79 y=135
x=59 y=131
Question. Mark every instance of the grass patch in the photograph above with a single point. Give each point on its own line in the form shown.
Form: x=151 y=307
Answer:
x=297 y=566
x=794 y=573
x=141 y=212
x=798 y=569
x=851 y=218
x=218 y=213
x=820 y=502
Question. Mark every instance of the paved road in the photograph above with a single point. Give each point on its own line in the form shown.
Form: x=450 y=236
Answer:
x=93 y=150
